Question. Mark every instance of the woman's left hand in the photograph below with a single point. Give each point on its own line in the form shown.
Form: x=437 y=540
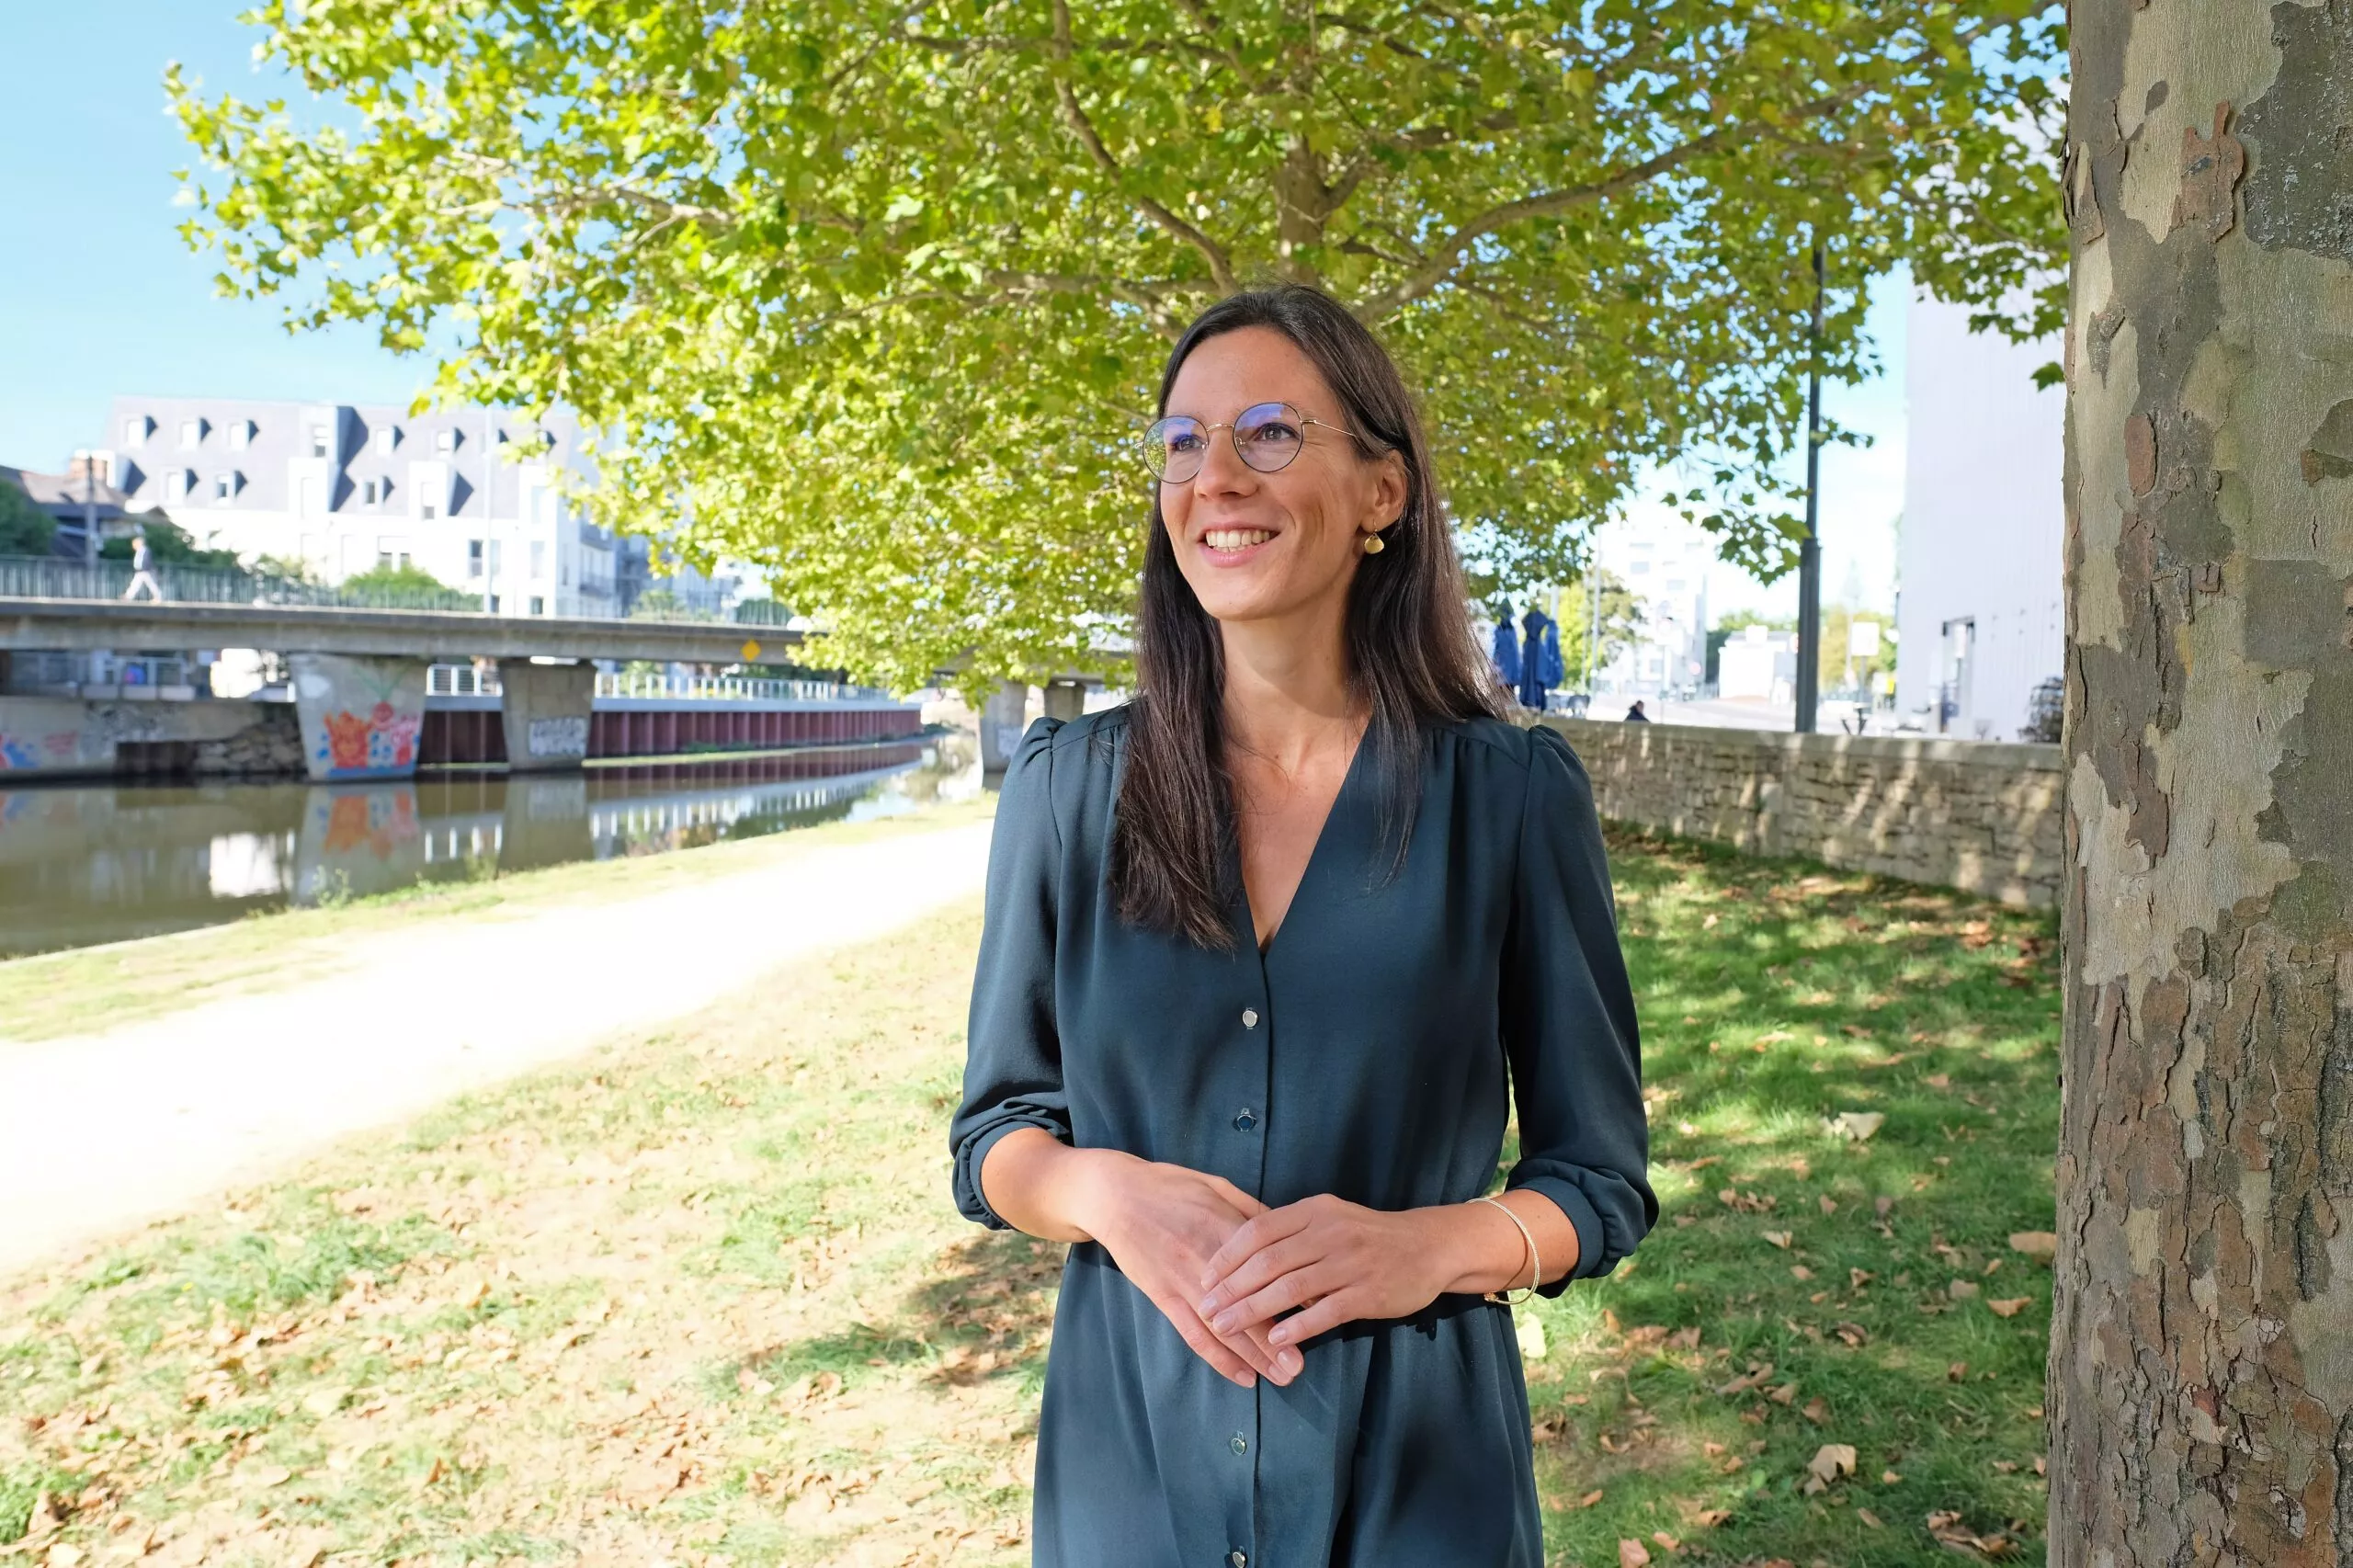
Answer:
x=1337 y=1260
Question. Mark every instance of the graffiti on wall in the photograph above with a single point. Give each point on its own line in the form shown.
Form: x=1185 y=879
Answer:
x=566 y=736
x=375 y=742
x=361 y=717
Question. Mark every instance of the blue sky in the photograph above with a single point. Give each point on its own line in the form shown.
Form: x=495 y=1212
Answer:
x=99 y=297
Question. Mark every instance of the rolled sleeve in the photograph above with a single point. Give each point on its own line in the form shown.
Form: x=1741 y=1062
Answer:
x=1013 y=1069
x=1568 y=1023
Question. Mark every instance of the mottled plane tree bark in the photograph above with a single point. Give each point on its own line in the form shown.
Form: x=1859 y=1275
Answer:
x=2201 y=1357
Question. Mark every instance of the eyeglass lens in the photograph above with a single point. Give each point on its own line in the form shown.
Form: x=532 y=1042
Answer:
x=1267 y=435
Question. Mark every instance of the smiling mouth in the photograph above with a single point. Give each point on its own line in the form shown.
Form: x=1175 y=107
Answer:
x=1232 y=540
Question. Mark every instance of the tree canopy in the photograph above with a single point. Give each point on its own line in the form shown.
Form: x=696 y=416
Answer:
x=877 y=296
x=25 y=527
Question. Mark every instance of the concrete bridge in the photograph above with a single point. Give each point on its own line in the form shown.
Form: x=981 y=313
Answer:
x=358 y=679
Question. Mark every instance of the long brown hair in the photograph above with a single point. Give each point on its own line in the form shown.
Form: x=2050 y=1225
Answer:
x=1411 y=653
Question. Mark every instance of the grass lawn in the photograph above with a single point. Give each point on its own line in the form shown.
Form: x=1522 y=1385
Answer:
x=700 y=1298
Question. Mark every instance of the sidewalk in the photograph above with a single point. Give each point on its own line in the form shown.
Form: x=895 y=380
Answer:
x=100 y=1132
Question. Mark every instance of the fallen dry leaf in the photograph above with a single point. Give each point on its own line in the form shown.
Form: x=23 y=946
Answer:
x=1962 y=1290
x=1869 y=1518
x=1815 y=1410
x=1857 y=1125
x=1799 y=1271
x=1956 y=1371
x=1708 y=1518
x=1588 y=1500
x=1633 y=1553
x=2009 y=1307
x=1660 y=1538
x=1757 y=1375
x=1829 y=1463
x=1829 y=1204
x=2040 y=1246
x=1779 y=1238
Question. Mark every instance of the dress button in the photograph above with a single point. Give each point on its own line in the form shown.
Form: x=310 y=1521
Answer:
x=1238 y=1443
x=1249 y=1018
x=1243 y=1122
x=1238 y=1559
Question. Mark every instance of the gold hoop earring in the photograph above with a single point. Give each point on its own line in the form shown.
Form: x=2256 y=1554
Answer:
x=1372 y=544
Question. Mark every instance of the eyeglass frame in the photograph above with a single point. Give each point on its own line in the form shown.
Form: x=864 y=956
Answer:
x=1365 y=444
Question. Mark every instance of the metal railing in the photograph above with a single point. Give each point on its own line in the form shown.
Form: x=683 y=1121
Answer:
x=469 y=680
x=734 y=689
x=50 y=577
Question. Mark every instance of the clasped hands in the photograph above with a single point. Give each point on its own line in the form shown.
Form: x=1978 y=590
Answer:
x=1223 y=1267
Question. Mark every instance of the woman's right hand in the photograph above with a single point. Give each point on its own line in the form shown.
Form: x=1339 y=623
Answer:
x=1162 y=1224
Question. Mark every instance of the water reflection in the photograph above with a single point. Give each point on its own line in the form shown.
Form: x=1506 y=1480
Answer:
x=100 y=863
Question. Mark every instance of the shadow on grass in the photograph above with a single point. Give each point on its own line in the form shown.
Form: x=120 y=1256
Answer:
x=984 y=1311
x=1807 y=1291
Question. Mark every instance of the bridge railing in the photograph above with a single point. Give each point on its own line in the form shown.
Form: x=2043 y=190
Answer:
x=50 y=577
x=471 y=680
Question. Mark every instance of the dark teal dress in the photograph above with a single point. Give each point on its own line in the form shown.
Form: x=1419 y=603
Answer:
x=1373 y=1053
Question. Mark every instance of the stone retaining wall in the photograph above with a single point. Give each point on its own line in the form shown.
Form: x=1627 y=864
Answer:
x=1978 y=816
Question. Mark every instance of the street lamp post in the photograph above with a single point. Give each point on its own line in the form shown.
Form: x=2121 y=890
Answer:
x=1809 y=681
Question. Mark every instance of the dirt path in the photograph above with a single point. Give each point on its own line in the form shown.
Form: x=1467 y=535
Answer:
x=98 y=1131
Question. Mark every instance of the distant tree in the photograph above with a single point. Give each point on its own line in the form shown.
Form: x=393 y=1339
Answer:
x=171 y=545
x=286 y=569
x=25 y=529
x=1620 y=623
x=408 y=585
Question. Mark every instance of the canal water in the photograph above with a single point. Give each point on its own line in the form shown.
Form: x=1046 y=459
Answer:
x=103 y=862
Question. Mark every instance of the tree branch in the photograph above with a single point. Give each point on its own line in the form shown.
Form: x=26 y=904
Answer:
x=1220 y=264
x=1550 y=203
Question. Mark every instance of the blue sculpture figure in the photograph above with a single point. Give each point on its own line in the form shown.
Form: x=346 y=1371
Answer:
x=1506 y=652
x=1540 y=659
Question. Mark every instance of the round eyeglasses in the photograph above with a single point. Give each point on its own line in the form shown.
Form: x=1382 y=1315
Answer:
x=1267 y=435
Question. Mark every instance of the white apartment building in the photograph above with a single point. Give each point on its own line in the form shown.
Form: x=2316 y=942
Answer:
x=1665 y=566
x=468 y=494
x=1982 y=618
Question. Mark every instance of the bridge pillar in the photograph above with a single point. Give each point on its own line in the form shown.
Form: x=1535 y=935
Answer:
x=1066 y=700
x=361 y=715
x=1002 y=722
x=547 y=708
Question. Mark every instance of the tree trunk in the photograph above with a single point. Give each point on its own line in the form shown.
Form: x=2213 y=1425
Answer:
x=2201 y=1353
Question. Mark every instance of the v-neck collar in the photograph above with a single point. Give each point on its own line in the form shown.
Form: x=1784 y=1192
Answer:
x=1323 y=832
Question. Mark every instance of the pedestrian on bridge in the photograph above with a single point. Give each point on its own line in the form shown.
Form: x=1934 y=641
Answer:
x=142 y=567
x=1270 y=950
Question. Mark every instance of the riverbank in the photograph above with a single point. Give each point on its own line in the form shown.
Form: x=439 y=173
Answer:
x=701 y=1297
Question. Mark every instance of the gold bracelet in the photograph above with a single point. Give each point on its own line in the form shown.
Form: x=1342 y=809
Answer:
x=1535 y=1268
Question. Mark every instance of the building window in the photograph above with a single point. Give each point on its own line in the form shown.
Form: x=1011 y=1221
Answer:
x=191 y=433
x=538 y=560
x=539 y=605
x=429 y=508
x=386 y=439
x=241 y=434
x=474 y=558
x=494 y=604
x=177 y=484
x=224 y=486
x=392 y=554
x=321 y=440
x=134 y=431
x=445 y=440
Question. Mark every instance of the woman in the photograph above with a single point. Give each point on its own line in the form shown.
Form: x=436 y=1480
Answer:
x=1261 y=947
